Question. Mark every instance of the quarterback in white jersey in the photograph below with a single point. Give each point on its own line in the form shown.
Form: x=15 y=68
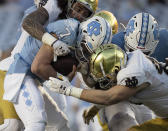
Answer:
x=132 y=76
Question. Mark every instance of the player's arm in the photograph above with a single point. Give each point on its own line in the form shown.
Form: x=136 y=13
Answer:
x=35 y=21
x=41 y=65
x=112 y=96
x=33 y=24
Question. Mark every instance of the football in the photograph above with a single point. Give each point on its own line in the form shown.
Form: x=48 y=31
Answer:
x=64 y=64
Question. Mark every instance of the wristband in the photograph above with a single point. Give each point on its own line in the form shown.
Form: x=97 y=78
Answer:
x=48 y=39
x=76 y=92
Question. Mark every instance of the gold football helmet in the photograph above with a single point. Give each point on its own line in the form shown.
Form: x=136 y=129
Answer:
x=111 y=19
x=105 y=63
x=91 y=5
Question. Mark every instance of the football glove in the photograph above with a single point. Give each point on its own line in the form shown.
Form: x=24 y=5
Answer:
x=89 y=114
x=60 y=48
x=62 y=86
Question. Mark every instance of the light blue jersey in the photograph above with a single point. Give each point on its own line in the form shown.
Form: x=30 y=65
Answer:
x=66 y=30
x=160 y=52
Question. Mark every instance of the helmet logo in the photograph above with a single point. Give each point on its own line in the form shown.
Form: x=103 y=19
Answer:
x=93 y=28
x=130 y=27
x=144 y=29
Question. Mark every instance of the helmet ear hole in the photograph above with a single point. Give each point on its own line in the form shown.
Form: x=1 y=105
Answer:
x=116 y=70
x=136 y=24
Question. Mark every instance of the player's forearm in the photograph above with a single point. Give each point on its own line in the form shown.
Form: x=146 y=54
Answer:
x=41 y=65
x=34 y=23
x=45 y=71
x=99 y=97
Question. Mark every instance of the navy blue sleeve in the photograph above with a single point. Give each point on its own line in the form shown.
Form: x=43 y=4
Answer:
x=118 y=39
x=161 y=51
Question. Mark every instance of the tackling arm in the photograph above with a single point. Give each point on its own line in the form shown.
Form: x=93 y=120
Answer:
x=112 y=96
x=108 y=97
x=34 y=22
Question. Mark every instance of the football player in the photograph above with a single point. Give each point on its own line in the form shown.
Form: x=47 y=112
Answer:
x=52 y=10
x=86 y=46
x=142 y=32
x=126 y=76
x=84 y=8
x=25 y=91
x=25 y=94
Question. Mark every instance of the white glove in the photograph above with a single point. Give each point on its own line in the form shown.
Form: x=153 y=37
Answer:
x=60 y=48
x=63 y=87
x=58 y=86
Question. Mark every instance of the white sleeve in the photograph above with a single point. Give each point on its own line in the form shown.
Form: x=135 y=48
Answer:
x=131 y=77
x=53 y=10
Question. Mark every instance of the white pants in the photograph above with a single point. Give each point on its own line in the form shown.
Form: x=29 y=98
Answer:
x=123 y=115
x=32 y=110
x=30 y=106
x=11 y=125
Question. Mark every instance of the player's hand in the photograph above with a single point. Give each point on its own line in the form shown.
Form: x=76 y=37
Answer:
x=60 y=48
x=73 y=73
x=59 y=86
x=89 y=114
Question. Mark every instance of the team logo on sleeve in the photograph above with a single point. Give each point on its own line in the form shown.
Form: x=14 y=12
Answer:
x=42 y=3
x=131 y=82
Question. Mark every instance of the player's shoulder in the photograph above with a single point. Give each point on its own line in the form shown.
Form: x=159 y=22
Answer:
x=64 y=24
x=136 y=58
x=134 y=67
x=66 y=30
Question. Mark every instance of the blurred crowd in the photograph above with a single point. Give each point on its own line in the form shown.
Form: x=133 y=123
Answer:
x=125 y=9
x=12 y=12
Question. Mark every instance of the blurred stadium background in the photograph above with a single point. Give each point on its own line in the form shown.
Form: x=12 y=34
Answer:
x=12 y=11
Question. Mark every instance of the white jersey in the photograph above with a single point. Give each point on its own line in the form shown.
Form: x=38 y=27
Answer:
x=52 y=8
x=139 y=70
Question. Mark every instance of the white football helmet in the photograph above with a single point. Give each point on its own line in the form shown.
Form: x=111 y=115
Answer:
x=142 y=32
x=92 y=33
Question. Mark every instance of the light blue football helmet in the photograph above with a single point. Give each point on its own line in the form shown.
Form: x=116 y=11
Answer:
x=142 y=32
x=94 y=32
